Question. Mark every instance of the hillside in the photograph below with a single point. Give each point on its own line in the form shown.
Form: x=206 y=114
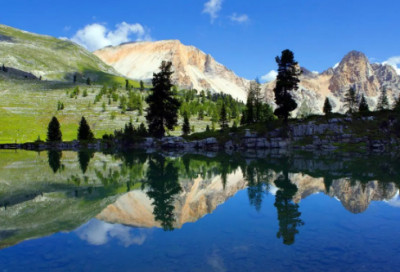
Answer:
x=193 y=68
x=49 y=57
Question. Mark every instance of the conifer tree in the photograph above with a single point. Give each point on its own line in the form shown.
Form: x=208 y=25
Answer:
x=84 y=131
x=201 y=113
x=53 y=131
x=103 y=106
x=287 y=80
x=383 y=102
x=207 y=128
x=327 y=107
x=162 y=111
x=363 y=105
x=88 y=82
x=350 y=100
x=74 y=79
x=186 y=124
x=3 y=68
x=396 y=107
x=223 y=120
x=141 y=86
x=142 y=131
x=127 y=85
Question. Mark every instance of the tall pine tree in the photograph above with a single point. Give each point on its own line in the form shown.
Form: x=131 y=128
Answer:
x=186 y=124
x=363 y=105
x=53 y=131
x=287 y=81
x=327 y=107
x=350 y=100
x=84 y=131
x=223 y=120
x=162 y=111
x=383 y=102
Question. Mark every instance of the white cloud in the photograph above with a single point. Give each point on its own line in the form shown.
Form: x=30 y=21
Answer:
x=98 y=233
x=315 y=72
x=212 y=7
x=96 y=36
x=67 y=28
x=270 y=76
x=239 y=18
x=395 y=62
x=336 y=65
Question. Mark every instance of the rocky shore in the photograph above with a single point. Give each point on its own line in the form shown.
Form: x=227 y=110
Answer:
x=333 y=134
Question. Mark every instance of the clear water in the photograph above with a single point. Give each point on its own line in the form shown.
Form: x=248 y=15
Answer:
x=204 y=212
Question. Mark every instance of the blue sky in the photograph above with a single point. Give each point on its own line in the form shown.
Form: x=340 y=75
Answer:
x=243 y=35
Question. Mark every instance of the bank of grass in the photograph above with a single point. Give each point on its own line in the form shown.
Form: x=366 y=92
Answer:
x=26 y=108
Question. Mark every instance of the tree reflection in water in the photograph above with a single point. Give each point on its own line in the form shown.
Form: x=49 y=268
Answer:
x=288 y=213
x=54 y=158
x=162 y=180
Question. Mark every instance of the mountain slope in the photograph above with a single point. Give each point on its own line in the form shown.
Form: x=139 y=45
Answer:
x=355 y=71
x=49 y=57
x=193 y=68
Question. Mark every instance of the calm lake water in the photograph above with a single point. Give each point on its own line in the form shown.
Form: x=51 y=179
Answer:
x=85 y=211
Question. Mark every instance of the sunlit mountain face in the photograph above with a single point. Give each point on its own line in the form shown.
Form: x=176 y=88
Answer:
x=197 y=212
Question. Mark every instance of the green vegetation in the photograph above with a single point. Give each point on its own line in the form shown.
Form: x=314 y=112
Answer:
x=163 y=105
x=53 y=131
x=327 y=107
x=286 y=81
x=84 y=131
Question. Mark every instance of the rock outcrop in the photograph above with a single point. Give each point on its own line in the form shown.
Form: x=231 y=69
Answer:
x=193 y=68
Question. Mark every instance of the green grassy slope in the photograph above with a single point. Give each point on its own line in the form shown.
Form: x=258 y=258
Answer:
x=49 y=57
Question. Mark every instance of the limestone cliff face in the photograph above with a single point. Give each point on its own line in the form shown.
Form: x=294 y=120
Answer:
x=355 y=71
x=197 y=199
x=193 y=68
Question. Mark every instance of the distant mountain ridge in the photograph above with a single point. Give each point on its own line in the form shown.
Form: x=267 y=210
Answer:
x=193 y=68
x=354 y=70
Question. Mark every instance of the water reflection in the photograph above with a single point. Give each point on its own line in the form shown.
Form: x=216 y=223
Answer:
x=162 y=182
x=54 y=158
x=129 y=189
x=98 y=233
x=288 y=212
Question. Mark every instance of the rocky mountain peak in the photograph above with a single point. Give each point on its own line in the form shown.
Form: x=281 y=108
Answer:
x=354 y=71
x=192 y=67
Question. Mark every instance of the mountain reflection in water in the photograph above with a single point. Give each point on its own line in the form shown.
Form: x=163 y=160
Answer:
x=64 y=191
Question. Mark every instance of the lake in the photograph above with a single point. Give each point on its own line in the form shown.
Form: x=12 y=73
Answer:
x=247 y=211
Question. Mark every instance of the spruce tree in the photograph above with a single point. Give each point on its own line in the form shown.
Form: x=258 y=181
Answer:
x=350 y=100
x=287 y=80
x=162 y=111
x=74 y=79
x=84 y=131
x=127 y=85
x=363 y=105
x=88 y=82
x=223 y=120
x=201 y=113
x=141 y=86
x=327 y=107
x=186 y=124
x=53 y=131
x=383 y=102
x=208 y=128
